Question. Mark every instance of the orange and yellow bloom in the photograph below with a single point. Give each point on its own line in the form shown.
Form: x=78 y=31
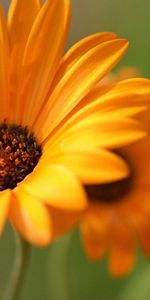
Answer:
x=56 y=128
x=118 y=213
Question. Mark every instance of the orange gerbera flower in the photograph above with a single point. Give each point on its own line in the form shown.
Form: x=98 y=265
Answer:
x=46 y=133
x=118 y=212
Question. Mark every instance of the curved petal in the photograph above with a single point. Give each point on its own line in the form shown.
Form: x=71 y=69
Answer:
x=21 y=16
x=77 y=82
x=120 y=111
x=126 y=94
x=134 y=91
x=5 y=198
x=4 y=63
x=122 y=250
x=79 y=49
x=42 y=55
x=55 y=185
x=92 y=165
x=31 y=218
x=107 y=131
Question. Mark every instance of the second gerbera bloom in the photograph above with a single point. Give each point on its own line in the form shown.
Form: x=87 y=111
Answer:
x=118 y=213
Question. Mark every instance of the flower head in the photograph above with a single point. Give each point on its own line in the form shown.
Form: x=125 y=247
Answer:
x=52 y=119
x=118 y=212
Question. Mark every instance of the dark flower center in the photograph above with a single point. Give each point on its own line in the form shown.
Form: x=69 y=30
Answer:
x=19 y=154
x=109 y=192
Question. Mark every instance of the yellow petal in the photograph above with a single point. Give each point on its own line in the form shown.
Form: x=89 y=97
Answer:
x=128 y=92
x=5 y=197
x=31 y=218
x=122 y=111
x=4 y=63
x=42 y=55
x=21 y=16
x=78 y=81
x=124 y=94
x=92 y=165
x=55 y=186
x=107 y=131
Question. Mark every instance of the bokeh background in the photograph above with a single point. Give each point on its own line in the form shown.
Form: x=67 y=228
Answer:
x=62 y=272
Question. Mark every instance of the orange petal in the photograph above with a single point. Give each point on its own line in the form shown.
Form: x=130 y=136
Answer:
x=139 y=153
x=31 y=218
x=5 y=198
x=42 y=55
x=94 y=236
x=4 y=63
x=92 y=165
x=21 y=16
x=55 y=185
x=143 y=231
x=145 y=119
x=63 y=221
x=87 y=70
x=122 y=249
x=79 y=49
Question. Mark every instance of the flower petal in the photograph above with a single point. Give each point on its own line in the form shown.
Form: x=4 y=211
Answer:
x=122 y=112
x=92 y=165
x=42 y=55
x=122 y=95
x=94 y=235
x=135 y=91
x=31 y=218
x=107 y=131
x=142 y=227
x=21 y=16
x=126 y=92
x=4 y=62
x=122 y=250
x=77 y=82
x=63 y=221
x=5 y=198
x=79 y=49
x=145 y=119
x=56 y=186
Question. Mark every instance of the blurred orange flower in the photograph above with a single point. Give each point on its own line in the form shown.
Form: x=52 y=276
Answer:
x=52 y=120
x=118 y=212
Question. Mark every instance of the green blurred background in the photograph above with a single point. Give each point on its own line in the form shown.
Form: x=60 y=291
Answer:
x=62 y=272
